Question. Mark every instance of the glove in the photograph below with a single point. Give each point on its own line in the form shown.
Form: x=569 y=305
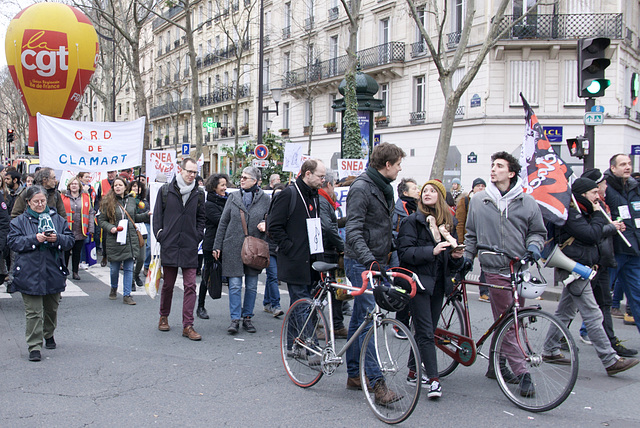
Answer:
x=534 y=252
x=468 y=264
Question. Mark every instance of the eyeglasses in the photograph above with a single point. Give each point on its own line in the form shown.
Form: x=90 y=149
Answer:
x=191 y=172
x=44 y=202
x=244 y=177
x=321 y=177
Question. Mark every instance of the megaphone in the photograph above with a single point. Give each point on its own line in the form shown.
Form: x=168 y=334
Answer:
x=557 y=259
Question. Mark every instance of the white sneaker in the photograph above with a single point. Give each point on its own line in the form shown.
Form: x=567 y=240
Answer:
x=84 y=266
x=435 y=390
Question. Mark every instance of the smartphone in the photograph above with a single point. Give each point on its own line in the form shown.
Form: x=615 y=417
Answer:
x=459 y=247
x=48 y=233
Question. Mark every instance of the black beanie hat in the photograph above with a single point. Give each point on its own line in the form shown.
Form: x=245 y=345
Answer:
x=583 y=185
x=478 y=181
x=594 y=174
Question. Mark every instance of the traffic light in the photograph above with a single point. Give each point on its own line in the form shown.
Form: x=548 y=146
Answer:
x=635 y=88
x=578 y=147
x=10 y=135
x=591 y=65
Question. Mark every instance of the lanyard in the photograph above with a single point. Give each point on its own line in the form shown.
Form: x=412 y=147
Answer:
x=305 y=203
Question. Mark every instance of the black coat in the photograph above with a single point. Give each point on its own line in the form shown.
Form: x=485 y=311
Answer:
x=588 y=230
x=213 y=211
x=289 y=233
x=331 y=240
x=39 y=272
x=5 y=219
x=624 y=194
x=179 y=228
x=415 y=250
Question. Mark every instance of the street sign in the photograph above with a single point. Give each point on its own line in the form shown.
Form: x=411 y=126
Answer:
x=593 y=119
x=472 y=158
x=635 y=150
x=260 y=163
x=186 y=148
x=597 y=109
x=261 y=151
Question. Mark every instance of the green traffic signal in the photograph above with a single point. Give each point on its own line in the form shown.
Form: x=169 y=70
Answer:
x=595 y=87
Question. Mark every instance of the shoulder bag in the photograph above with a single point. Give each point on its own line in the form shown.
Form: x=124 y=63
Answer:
x=255 y=251
x=140 y=238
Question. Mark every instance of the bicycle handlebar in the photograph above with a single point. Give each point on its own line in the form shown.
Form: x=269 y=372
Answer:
x=367 y=275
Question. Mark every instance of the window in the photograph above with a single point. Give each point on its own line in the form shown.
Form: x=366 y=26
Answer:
x=525 y=77
x=308 y=111
x=265 y=76
x=419 y=85
x=457 y=77
x=333 y=54
x=423 y=18
x=520 y=7
x=333 y=115
x=285 y=115
x=384 y=31
x=287 y=15
x=458 y=16
x=384 y=95
x=200 y=16
x=571 y=83
x=286 y=62
x=246 y=116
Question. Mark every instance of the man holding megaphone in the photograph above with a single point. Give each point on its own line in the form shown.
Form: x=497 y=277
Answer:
x=579 y=237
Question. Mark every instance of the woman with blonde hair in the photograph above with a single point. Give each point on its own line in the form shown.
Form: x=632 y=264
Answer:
x=427 y=246
x=114 y=208
x=79 y=209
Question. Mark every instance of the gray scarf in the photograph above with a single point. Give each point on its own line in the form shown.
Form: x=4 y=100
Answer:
x=185 y=189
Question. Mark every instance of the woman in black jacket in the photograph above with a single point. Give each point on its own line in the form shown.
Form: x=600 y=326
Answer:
x=580 y=235
x=425 y=246
x=216 y=187
x=39 y=237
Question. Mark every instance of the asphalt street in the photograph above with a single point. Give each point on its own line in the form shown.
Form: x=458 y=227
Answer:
x=113 y=367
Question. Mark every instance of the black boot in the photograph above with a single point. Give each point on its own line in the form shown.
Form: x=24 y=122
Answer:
x=202 y=313
x=138 y=281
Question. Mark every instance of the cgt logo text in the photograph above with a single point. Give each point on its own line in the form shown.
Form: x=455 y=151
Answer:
x=45 y=52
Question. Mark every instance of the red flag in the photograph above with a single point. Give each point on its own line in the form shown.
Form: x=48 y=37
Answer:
x=544 y=173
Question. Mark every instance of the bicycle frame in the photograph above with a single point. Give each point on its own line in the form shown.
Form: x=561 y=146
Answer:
x=467 y=349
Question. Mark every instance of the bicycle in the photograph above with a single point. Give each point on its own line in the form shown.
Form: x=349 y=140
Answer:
x=306 y=358
x=528 y=334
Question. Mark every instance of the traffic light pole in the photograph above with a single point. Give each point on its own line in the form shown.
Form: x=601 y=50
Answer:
x=588 y=161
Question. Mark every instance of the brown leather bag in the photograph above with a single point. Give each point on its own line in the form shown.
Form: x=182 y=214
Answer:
x=140 y=238
x=255 y=251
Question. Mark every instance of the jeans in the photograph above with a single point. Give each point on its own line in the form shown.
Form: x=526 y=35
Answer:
x=626 y=277
x=362 y=305
x=297 y=292
x=237 y=308
x=271 y=291
x=127 y=277
x=591 y=314
x=189 y=298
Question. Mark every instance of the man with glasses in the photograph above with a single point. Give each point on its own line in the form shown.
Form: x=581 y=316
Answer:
x=178 y=224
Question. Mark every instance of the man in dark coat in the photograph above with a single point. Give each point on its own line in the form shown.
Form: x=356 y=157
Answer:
x=178 y=224
x=370 y=204
x=288 y=229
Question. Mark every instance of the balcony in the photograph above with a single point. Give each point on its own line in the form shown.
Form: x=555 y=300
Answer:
x=158 y=22
x=308 y=23
x=459 y=113
x=419 y=49
x=565 y=27
x=176 y=44
x=170 y=108
x=286 y=33
x=417 y=117
x=453 y=39
x=334 y=13
x=226 y=93
x=388 y=53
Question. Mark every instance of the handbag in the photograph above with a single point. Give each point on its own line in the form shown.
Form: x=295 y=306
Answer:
x=90 y=251
x=140 y=238
x=255 y=251
x=152 y=281
x=213 y=279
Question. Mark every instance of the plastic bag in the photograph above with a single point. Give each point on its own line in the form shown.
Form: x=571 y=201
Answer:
x=152 y=282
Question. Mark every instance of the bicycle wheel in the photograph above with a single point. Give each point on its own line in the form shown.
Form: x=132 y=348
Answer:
x=300 y=348
x=540 y=384
x=451 y=319
x=382 y=351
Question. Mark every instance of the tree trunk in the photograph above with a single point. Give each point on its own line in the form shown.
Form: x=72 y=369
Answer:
x=195 y=94
x=444 y=139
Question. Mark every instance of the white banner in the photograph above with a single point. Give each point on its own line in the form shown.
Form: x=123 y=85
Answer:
x=161 y=162
x=351 y=167
x=90 y=146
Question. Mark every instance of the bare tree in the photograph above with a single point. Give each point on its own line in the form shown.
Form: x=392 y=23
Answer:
x=352 y=140
x=13 y=114
x=447 y=62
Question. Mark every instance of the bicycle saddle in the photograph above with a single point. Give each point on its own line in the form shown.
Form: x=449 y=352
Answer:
x=324 y=267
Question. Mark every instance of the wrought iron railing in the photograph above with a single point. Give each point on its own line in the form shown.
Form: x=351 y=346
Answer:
x=564 y=26
x=453 y=39
x=417 y=117
x=459 y=112
x=221 y=54
x=225 y=94
x=418 y=49
x=158 y=22
x=173 y=107
x=286 y=33
x=392 y=52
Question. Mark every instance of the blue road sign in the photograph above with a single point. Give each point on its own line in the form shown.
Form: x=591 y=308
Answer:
x=597 y=109
x=186 y=148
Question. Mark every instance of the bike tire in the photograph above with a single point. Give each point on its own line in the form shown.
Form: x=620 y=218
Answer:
x=451 y=319
x=540 y=333
x=302 y=321
x=392 y=357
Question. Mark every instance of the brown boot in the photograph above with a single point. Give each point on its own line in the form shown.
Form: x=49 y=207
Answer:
x=191 y=333
x=384 y=395
x=163 y=324
x=354 y=384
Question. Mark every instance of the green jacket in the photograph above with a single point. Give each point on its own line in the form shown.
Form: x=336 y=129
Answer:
x=115 y=251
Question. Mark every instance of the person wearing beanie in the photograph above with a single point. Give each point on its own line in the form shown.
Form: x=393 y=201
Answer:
x=601 y=283
x=462 y=209
x=503 y=216
x=578 y=238
x=453 y=196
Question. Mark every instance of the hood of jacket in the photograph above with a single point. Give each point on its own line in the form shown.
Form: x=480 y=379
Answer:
x=503 y=201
